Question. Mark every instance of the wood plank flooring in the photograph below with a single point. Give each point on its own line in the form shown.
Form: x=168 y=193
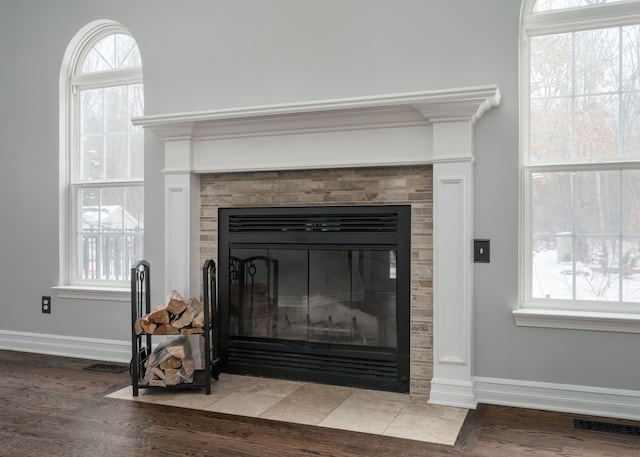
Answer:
x=50 y=406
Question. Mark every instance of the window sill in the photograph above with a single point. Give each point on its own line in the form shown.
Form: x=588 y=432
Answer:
x=94 y=293
x=578 y=320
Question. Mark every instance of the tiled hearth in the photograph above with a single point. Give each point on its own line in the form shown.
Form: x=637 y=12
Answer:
x=360 y=410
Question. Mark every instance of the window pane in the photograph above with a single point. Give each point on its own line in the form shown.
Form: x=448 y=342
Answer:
x=631 y=270
x=631 y=125
x=113 y=52
x=117 y=153
x=550 y=129
x=631 y=57
x=136 y=102
x=597 y=202
x=116 y=110
x=134 y=208
x=111 y=209
x=552 y=203
x=136 y=145
x=548 y=5
x=109 y=232
x=552 y=241
x=92 y=109
x=126 y=52
x=87 y=233
x=551 y=58
x=631 y=202
x=596 y=61
x=597 y=269
x=92 y=158
x=597 y=127
x=552 y=267
x=112 y=148
x=94 y=62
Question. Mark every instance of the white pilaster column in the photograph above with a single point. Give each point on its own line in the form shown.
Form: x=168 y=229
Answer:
x=452 y=382
x=181 y=219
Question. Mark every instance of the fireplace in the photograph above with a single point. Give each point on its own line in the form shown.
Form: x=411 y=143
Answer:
x=432 y=128
x=316 y=293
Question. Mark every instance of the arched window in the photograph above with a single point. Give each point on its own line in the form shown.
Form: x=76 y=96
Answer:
x=102 y=215
x=580 y=133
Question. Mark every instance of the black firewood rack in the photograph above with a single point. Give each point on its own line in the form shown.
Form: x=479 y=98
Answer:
x=142 y=345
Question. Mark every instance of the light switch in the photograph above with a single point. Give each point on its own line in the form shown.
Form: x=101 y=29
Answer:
x=481 y=250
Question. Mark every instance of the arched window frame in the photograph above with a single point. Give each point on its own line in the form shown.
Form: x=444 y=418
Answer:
x=72 y=80
x=573 y=314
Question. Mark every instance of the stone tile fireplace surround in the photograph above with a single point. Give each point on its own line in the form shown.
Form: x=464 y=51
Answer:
x=407 y=185
x=412 y=149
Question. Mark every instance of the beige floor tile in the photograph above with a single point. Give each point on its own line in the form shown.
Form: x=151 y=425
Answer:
x=296 y=412
x=433 y=429
x=243 y=404
x=386 y=401
x=309 y=404
x=192 y=400
x=124 y=393
x=321 y=395
x=145 y=395
x=260 y=386
x=420 y=406
x=359 y=419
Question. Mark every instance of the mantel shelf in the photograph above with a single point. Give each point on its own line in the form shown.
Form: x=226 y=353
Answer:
x=427 y=107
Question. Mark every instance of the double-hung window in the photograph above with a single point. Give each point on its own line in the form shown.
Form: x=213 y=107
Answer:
x=580 y=162
x=105 y=160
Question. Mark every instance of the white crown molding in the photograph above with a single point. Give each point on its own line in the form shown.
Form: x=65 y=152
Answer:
x=593 y=401
x=66 y=346
x=398 y=110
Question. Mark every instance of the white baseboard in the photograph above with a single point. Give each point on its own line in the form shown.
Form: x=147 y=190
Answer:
x=593 y=401
x=448 y=392
x=68 y=346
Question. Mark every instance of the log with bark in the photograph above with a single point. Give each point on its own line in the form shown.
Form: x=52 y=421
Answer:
x=176 y=316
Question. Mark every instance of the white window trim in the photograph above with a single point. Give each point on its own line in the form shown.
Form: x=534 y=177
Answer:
x=68 y=83
x=119 y=294
x=561 y=314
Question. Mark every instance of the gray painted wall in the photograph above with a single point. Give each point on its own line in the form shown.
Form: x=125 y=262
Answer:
x=209 y=54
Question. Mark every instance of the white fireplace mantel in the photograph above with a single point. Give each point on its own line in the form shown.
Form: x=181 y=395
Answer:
x=431 y=127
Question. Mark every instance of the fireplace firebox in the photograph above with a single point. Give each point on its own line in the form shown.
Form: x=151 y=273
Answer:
x=316 y=293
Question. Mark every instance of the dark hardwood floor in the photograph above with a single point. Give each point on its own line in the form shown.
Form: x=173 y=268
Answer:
x=51 y=406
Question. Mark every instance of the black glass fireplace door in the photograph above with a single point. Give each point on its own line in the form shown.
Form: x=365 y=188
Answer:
x=318 y=294
x=314 y=294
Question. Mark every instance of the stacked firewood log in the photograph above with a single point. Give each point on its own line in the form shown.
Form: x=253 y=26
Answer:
x=170 y=364
x=176 y=316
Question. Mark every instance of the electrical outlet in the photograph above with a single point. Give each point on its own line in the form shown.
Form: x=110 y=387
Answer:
x=46 y=305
